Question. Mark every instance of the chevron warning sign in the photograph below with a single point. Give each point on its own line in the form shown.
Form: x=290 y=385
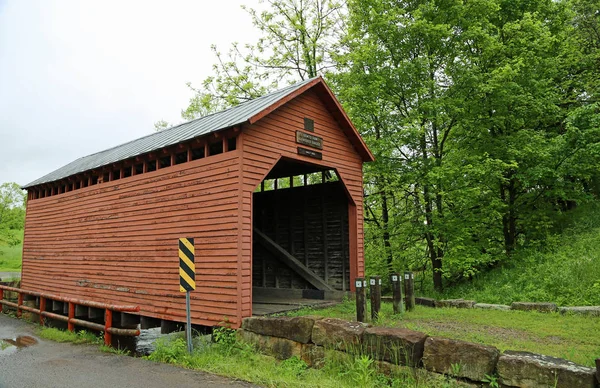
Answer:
x=187 y=268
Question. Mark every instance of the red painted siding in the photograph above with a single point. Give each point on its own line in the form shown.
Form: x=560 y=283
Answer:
x=117 y=241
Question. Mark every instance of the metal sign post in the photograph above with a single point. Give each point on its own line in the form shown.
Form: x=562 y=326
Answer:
x=187 y=282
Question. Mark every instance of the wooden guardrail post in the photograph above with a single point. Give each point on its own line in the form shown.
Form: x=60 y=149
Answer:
x=19 y=304
x=598 y=369
x=375 y=297
x=396 y=279
x=409 y=290
x=360 y=299
x=70 y=324
x=107 y=325
x=42 y=309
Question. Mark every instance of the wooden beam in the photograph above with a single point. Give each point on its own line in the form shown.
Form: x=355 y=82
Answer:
x=291 y=261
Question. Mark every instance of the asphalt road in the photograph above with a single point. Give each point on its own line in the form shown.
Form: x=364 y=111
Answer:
x=29 y=362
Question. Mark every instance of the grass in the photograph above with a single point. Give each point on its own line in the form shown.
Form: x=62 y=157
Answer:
x=242 y=361
x=11 y=257
x=564 y=270
x=76 y=337
x=572 y=337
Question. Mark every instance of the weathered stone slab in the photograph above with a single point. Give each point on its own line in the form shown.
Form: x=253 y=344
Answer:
x=473 y=361
x=338 y=334
x=533 y=306
x=279 y=348
x=457 y=303
x=489 y=306
x=396 y=345
x=593 y=311
x=313 y=355
x=429 y=302
x=297 y=329
x=530 y=370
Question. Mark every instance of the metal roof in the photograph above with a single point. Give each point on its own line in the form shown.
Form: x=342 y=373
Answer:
x=204 y=125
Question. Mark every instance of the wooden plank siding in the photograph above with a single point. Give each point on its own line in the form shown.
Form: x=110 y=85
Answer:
x=273 y=137
x=117 y=241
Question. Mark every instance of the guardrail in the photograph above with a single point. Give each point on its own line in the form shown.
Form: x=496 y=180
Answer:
x=107 y=328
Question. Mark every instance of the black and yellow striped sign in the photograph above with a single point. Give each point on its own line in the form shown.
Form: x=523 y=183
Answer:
x=187 y=268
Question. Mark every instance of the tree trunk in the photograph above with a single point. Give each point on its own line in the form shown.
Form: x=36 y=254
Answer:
x=508 y=194
x=385 y=216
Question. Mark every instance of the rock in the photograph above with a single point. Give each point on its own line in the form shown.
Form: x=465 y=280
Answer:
x=297 y=329
x=488 y=306
x=429 y=302
x=529 y=306
x=459 y=358
x=458 y=303
x=338 y=334
x=529 y=370
x=279 y=348
x=313 y=355
x=395 y=345
x=593 y=311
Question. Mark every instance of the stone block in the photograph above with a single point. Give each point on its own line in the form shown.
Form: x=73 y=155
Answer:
x=395 y=345
x=530 y=370
x=592 y=311
x=488 y=306
x=338 y=334
x=473 y=361
x=534 y=306
x=313 y=355
x=456 y=303
x=429 y=302
x=297 y=329
x=279 y=348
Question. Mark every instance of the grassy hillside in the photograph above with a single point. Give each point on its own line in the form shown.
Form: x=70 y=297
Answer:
x=10 y=257
x=566 y=270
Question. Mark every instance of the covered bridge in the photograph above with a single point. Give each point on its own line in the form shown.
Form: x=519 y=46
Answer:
x=271 y=191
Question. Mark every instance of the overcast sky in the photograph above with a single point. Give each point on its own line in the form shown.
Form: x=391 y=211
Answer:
x=77 y=77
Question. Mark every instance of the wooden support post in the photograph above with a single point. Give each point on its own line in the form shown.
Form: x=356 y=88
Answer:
x=409 y=290
x=107 y=325
x=189 y=153
x=42 y=309
x=396 y=279
x=360 y=299
x=375 y=297
x=206 y=149
x=19 y=303
x=598 y=369
x=71 y=325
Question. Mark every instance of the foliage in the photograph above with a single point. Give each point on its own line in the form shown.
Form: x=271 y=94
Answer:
x=571 y=337
x=76 y=337
x=224 y=336
x=12 y=213
x=10 y=256
x=565 y=271
x=483 y=122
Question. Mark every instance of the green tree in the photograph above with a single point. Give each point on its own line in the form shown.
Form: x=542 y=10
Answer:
x=12 y=212
x=296 y=42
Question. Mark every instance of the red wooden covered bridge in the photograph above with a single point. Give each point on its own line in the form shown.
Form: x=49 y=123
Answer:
x=271 y=191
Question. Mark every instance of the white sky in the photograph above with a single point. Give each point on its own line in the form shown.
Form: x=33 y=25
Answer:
x=77 y=77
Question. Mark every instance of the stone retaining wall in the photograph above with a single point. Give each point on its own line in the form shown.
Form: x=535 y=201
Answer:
x=308 y=337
